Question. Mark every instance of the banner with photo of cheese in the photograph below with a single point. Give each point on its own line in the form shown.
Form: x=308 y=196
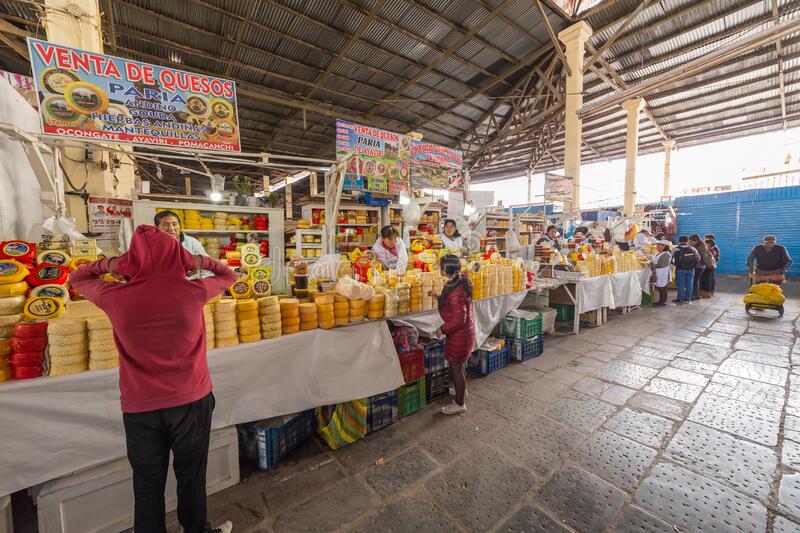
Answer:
x=436 y=167
x=380 y=161
x=96 y=96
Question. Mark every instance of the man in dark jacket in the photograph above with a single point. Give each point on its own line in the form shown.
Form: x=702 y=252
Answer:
x=685 y=258
x=769 y=258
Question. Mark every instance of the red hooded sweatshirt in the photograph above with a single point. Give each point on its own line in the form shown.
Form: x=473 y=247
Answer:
x=157 y=317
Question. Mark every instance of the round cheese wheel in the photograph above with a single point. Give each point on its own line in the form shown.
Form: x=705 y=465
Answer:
x=250 y=338
x=105 y=354
x=358 y=304
x=103 y=364
x=249 y=323
x=226 y=332
x=54 y=257
x=341 y=306
x=309 y=318
x=102 y=345
x=210 y=344
x=12 y=271
x=43 y=307
x=73 y=338
x=26 y=358
x=5 y=347
x=12 y=305
x=66 y=326
x=272 y=328
x=247 y=305
x=289 y=303
x=5 y=373
x=32 y=344
x=59 y=350
x=327 y=315
x=68 y=370
x=271 y=319
x=227 y=323
x=375 y=315
x=241 y=289
x=375 y=307
x=291 y=329
x=339 y=298
x=68 y=359
x=271 y=310
x=342 y=321
x=308 y=308
x=290 y=314
x=14 y=289
x=98 y=323
x=27 y=372
x=22 y=251
x=324 y=299
x=271 y=334
x=224 y=343
x=325 y=308
x=378 y=299
x=308 y=326
x=225 y=306
x=291 y=321
x=250 y=330
x=10 y=320
x=247 y=315
x=341 y=314
x=47 y=274
x=51 y=289
x=31 y=329
x=327 y=324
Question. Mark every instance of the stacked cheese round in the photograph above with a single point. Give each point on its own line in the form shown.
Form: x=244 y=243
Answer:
x=290 y=315
x=10 y=314
x=247 y=319
x=27 y=350
x=403 y=298
x=309 y=318
x=341 y=310
x=326 y=310
x=208 y=317
x=390 y=303
x=358 y=310
x=269 y=311
x=68 y=350
x=438 y=287
x=220 y=221
x=375 y=307
x=226 y=331
x=416 y=296
x=103 y=354
x=427 y=288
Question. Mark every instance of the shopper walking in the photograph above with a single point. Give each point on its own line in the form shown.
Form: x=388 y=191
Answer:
x=706 y=260
x=769 y=259
x=662 y=268
x=165 y=388
x=685 y=258
x=709 y=282
x=455 y=308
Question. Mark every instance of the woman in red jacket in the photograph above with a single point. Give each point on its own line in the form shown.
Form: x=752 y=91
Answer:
x=455 y=308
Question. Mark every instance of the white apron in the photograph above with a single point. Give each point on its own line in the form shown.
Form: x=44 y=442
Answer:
x=662 y=274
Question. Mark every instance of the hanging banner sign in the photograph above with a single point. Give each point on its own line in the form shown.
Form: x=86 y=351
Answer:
x=436 y=167
x=100 y=97
x=381 y=158
x=557 y=188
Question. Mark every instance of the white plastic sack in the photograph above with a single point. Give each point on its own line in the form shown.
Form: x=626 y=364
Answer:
x=354 y=290
x=64 y=226
x=512 y=244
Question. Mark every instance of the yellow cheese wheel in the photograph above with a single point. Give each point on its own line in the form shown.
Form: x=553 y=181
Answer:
x=10 y=320
x=270 y=328
x=338 y=298
x=71 y=359
x=102 y=345
x=247 y=315
x=224 y=343
x=105 y=354
x=250 y=330
x=341 y=314
x=375 y=307
x=375 y=315
x=225 y=324
x=271 y=322
x=247 y=305
x=4 y=362
x=226 y=333
x=309 y=317
x=98 y=323
x=327 y=324
x=270 y=310
x=225 y=306
x=268 y=301
x=308 y=326
x=326 y=308
x=68 y=370
x=290 y=314
x=5 y=347
x=12 y=271
x=55 y=257
x=250 y=338
x=271 y=319
x=43 y=307
x=73 y=338
x=308 y=308
x=271 y=334
x=291 y=322
x=289 y=303
x=66 y=326
x=59 y=350
x=5 y=373
x=326 y=315
x=249 y=323
x=103 y=364
x=378 y=299
x=291 y=329
x=12 y=305
x=341 y=321
x=358 y=304
x=341 y=306
x=13 y=289
x=358 y=318
x=324 y=299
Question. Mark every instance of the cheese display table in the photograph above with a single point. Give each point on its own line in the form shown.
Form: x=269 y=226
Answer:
x=55 y=426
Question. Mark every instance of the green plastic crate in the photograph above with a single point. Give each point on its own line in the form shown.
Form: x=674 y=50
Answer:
x=522 y=324
x=564 y=312
x=648 y=298
x=411 y=397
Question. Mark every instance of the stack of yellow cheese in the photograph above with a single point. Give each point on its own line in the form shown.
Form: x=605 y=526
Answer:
x=103 y=354
x=68 y=346
x=404 y=298
x=220 y=220
x=308 y=316
x=427 y=289
x=269 y=311
x=438 y=287
x=208 y=317
x=358 y=310
x=290 y=315
x=326 y=310
x=341 y=309
x=247 y=318
x=416 y=296
x=10 y=314
x=390 y=302
x=375 y=307
x=226 y=332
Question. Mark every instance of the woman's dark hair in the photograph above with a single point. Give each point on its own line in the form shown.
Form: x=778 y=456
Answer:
x=550 y=227
x=161 y=215
x=387 y=232
x=659 y=236
x=453 y=222
x=683 y=238
x=450 y=264
x=694 y=237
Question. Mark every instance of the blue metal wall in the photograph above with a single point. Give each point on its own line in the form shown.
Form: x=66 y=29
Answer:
x=740 y=219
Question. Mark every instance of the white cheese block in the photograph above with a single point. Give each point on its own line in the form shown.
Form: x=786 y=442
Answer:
x=66 y=326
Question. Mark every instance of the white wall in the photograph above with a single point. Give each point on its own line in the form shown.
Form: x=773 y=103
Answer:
x=21 y=210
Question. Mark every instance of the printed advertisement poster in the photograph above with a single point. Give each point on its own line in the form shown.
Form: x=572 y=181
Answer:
x=381 y=162
x=557 y=188
x=436 y=167
x=106 y=216
x=96 y=96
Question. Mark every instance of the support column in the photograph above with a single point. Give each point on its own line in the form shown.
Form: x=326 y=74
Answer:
x=530 y=184
x=574 y=39
x=668 y=145
x=632 y=107
x=77 y=24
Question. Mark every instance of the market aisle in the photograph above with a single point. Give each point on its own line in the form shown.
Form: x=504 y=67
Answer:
x=686 y=417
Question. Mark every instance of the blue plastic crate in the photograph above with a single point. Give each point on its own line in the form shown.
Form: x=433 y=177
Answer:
x=524 y=349
x=484 y=362
x=266 y=442
x=381 y=411
x=437 y=384
x=434 y=356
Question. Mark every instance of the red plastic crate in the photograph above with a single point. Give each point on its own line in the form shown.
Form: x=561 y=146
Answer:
x=412 y=363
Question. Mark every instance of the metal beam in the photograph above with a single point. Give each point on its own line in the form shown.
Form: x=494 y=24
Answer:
x=552 y=34
x=614 y=36
x=108 y=11
x=695 y=66
x=779 y=51
x=251 y=9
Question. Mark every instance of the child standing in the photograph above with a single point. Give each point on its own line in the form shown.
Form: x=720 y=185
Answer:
x=455 y=308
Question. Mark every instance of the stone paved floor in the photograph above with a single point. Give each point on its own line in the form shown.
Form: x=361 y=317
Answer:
x=676 y=419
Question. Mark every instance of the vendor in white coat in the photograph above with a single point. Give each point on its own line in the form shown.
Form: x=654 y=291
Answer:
x=642 y=239
x=662 y=262
x=451 y=238
x=168 y=222
x=390 y=250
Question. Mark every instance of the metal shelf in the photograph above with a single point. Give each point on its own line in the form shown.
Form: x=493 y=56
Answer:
x=223 y=231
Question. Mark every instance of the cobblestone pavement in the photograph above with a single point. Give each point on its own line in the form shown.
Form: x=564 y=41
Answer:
x=675 y=419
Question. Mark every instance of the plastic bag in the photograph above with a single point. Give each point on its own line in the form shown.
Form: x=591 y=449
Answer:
x=354 y=290
x=343 y=423
x=765 y=293
x=64 y=226
x=326 y=267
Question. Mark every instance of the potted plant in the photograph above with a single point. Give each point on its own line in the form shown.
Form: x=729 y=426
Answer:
x=243 y=189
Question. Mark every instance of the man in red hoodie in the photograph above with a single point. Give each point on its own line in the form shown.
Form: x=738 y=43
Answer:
x=165 y=388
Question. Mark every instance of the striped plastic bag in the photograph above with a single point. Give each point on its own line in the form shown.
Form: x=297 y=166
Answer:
x=343 y=423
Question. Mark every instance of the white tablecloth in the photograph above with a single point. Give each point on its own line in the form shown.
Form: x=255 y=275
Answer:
x=488 y=313
x=50 y=427
x=623 y=289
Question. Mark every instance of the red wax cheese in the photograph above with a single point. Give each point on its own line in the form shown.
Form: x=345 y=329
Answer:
x=27 y=330
x=32 y=344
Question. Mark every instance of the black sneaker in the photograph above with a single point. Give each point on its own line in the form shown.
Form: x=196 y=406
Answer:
x=225 y=527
